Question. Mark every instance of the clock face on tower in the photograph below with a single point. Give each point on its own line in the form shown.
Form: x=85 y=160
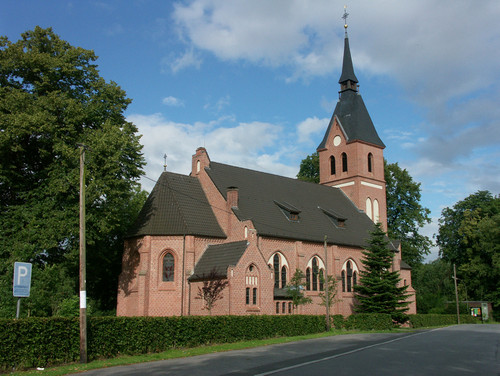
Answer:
x=336 y=141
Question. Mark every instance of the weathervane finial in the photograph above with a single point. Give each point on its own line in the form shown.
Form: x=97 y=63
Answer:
x=344 y=16
x=165 y=159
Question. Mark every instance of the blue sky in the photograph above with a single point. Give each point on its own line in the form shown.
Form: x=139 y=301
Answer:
x=255 y=82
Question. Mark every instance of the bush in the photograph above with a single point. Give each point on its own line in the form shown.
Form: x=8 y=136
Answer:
x=369 y=321
x=40 y=342
x=424 y=320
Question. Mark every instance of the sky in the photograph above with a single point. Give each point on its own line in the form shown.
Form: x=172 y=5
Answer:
x=256 y=82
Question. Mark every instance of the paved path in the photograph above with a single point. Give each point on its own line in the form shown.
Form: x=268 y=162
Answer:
x=456 y=350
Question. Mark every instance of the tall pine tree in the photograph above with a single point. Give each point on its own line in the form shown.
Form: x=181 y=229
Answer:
x=378 y=291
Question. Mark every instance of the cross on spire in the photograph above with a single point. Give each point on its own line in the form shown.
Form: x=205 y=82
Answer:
x=165 y=159
x=344 y=16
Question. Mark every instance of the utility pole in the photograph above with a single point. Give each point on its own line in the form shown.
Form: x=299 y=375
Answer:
x=83 y=271
x=327 y=292
x=456 y=292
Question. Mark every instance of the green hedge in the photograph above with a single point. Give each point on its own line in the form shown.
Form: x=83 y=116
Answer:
x=40 y=342
x=369 y=321
x=423 y=320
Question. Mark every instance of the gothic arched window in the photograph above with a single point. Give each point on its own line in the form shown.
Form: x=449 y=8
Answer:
x=370 y=162
x=168 y=267
x=344 y=162
x=332 y=165
x=349 y=276
x=280 y=267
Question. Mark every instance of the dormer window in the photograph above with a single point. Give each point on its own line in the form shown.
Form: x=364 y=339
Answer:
x=290 y=211
x=337 y=220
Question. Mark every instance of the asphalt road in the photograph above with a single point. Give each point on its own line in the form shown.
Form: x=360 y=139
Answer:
x=455 y=350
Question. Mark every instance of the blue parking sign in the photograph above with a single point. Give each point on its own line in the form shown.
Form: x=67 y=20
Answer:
x=22 y=279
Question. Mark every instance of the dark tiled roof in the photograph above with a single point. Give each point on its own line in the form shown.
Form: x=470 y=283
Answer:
x=216 y=259
x=347 y=67
x=177 y=205
x=354 y=119
x=258 y=193
x=404 y=265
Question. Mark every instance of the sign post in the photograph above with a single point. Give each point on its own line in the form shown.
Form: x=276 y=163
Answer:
x=21 y=283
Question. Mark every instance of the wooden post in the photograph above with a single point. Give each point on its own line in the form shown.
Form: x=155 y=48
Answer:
x=83 y=272
x=456 y=292
x=327 y=292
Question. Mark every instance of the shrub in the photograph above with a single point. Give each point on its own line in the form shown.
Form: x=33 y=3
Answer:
x=423 y=320
x=369 y=321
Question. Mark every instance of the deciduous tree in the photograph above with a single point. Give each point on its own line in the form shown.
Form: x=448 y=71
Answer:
x=51 y=99
x=296 y=289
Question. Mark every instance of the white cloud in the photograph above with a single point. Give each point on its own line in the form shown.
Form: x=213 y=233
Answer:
x=189 y=58
x=311 y=126
x=243 y=144
x=172 y=101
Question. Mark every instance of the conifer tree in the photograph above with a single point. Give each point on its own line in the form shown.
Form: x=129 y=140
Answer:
x=378 y=291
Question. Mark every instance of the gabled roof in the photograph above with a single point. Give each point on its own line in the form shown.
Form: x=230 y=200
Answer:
x=354 y=120
x=258 y=193
x=216 y=259
x=177 y=205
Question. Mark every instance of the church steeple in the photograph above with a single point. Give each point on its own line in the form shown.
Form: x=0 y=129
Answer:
x=348 y=80
x=351 y=153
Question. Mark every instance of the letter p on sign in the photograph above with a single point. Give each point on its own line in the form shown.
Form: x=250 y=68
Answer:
x=22 y=279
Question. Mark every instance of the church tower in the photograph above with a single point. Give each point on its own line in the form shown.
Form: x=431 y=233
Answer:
x=351 y=153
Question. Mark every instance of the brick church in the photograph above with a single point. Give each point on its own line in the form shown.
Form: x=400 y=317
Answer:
x=255 y=229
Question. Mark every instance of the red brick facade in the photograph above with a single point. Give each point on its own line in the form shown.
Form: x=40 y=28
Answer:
x=142 y=291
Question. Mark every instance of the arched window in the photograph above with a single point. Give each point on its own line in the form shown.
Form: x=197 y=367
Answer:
x=283 y=277
x=277 y=307
x=252 y=284
x=315 y=274
x=198 y=166
x=349 y=275
x=290 y=307
x=280 y=267
x=344 y=162
x=321 y=280
x=376 y=211
x=369 y=208
x=168 y=267
x=283 y=307
x=370 y=162
x=276 y=263
x=332 y=165
x=315 y=269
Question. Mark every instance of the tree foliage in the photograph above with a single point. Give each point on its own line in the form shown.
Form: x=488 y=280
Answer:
x=405 y=214
x=434 y=286
x=378 y=290
x=295 y=289
x=51 y=99
x=469 y=236
x=309 y=168
x=332 y=291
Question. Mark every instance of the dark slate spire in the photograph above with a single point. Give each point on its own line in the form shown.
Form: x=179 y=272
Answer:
x=347 y=67
x=351 y=111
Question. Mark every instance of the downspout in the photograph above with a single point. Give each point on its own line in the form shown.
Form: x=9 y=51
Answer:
x=183 y=272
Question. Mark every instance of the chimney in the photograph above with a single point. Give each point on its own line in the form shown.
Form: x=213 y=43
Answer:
x=232 y=197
